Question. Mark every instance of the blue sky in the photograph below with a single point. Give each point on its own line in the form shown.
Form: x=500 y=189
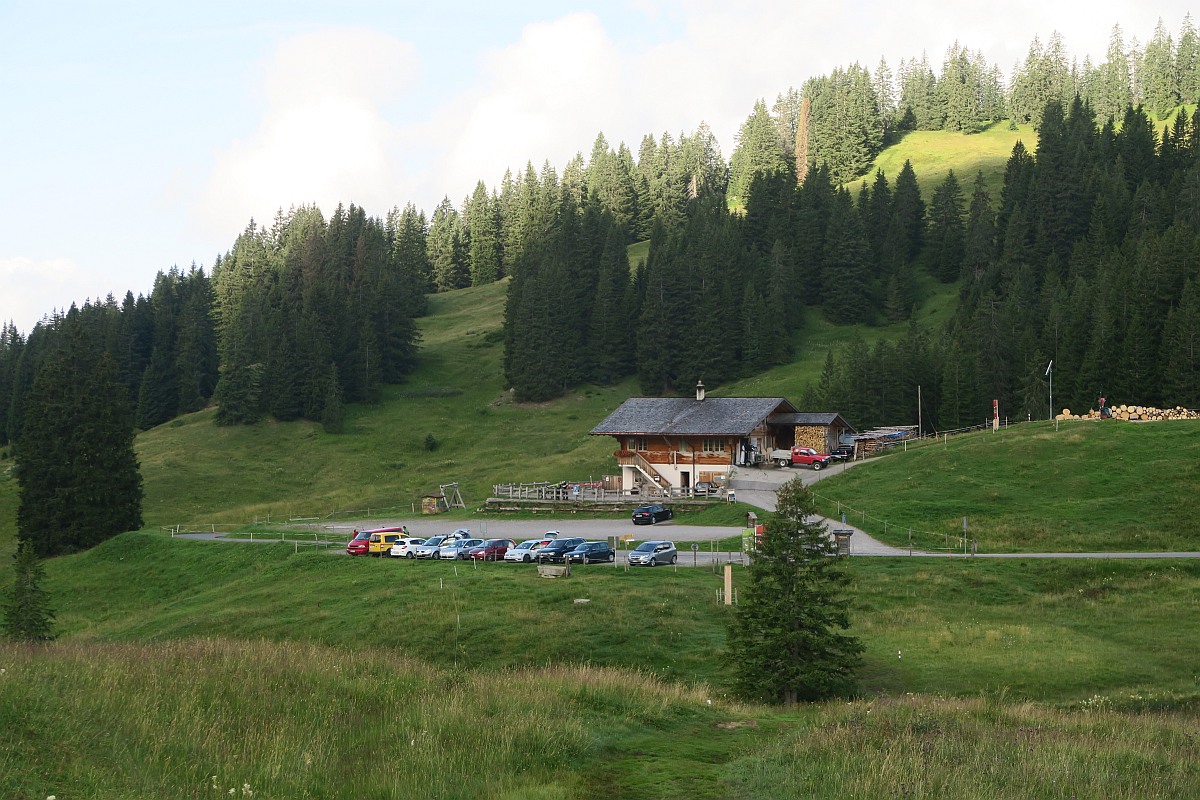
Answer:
x=139 y=135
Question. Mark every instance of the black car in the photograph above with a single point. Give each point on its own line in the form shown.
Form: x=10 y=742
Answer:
x=555 y=552
x=588 y=552
x=648 y=515
x=841 y=453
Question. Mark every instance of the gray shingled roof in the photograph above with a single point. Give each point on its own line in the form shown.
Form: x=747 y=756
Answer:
x=810 y=418
x=684 y=416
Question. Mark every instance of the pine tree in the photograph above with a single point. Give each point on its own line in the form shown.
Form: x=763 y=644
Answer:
x=1160 y=79
x=947 y=233
x=483 y=223
x=447 y=252
x=333 y=412
x=784 y=643
x=27 y=613
x=760 y=150
x=76 y=468
x=845 y=282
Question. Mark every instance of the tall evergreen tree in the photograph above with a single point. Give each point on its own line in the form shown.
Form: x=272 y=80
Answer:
x=760 y=151
x=78 y=475
x=845 y=280
x=947 y=232
x=483 y=223
x=786 y=643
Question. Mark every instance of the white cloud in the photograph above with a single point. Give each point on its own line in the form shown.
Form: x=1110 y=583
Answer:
x=333 y=130
x=323 y=136
x=34 y=289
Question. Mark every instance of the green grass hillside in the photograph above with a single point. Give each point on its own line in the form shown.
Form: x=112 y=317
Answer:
x=196 y=667
x=1087 y=486
x=935 y=153
x=956 y=621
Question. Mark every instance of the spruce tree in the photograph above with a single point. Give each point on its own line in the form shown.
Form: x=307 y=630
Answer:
x=785 y=643
x=77 y=471
x=946 y=230
x=27 y=613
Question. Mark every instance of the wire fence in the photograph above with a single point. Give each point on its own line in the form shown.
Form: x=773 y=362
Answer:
x=887 y=531
x=301 y=528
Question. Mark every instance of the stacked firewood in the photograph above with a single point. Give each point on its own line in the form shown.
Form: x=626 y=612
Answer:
x=1139 y=413
x=814 y=436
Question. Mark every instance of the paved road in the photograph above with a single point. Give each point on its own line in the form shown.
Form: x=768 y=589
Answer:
x=754 y=486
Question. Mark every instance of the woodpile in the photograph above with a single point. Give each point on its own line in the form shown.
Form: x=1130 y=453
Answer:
x=814 y=436
x=1135 y=413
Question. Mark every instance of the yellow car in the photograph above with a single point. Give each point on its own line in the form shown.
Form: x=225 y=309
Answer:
x=381 y=540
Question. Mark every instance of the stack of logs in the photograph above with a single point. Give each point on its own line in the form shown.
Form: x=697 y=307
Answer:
x=1141 y=413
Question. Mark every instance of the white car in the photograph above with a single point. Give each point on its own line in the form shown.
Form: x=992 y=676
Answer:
x=404 y=547
x=525 y=550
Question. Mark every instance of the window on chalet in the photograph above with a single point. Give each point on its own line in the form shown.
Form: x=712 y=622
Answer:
x=712 y=445
x=636 y=443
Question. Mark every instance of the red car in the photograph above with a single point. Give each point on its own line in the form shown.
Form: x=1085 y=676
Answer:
x=360 y=544
x=491 y=550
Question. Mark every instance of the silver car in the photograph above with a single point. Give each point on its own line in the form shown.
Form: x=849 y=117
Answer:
x=429 y=548
x=458 y=548
x=654 y=553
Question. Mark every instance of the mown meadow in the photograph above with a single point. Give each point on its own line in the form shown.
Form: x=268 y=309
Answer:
x=314 y=675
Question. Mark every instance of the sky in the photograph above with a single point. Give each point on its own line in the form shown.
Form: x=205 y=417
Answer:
x=137 y=136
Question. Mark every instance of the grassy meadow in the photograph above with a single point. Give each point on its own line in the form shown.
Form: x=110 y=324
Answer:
x=1107 y=486
x=316 y=675
x=935 y=153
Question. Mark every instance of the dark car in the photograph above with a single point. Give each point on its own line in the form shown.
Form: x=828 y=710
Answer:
x=491 y=550
x=589 y=552
x=556 y=551
x=648 y=515
x=842 y=453
x=706 y=487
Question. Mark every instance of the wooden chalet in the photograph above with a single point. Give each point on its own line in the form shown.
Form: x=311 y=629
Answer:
x=673 y=443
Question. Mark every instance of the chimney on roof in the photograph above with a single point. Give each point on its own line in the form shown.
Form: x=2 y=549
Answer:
x=699 y=390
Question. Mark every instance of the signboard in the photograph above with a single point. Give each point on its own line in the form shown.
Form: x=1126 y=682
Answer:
x=695 y=547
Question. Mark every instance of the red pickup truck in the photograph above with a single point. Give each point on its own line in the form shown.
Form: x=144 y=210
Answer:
x=801 y=456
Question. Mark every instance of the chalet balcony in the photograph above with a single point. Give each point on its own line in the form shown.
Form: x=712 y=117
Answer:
x=628 y=458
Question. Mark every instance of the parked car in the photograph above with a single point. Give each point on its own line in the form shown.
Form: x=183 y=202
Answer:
x=589 y=552
x=491 y=550
x=554 y=552
x=648 y=515
x=842 y=453
x=430 y=548
x=654 y=553
x=381 y=540
x=360 y=545
x=526 y=550
x=404 y=547
x=458 y=548
x=705 y=487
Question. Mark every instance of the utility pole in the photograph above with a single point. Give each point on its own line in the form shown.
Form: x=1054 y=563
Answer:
x=1050 y=374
